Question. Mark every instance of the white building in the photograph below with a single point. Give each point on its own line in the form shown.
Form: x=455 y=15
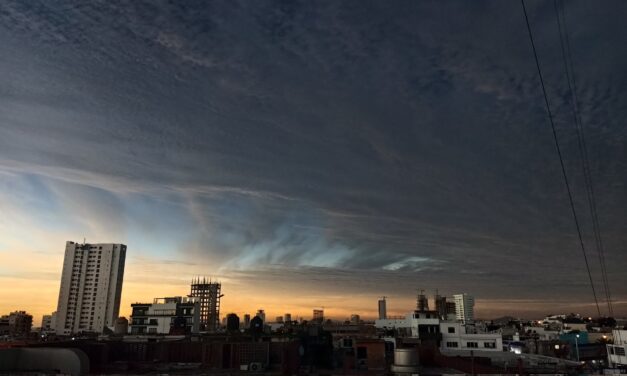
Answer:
x=453 y=334
x=172 y=315
x=455 y=337
x=617 y=353
x=413 y=323
x=91 y=286
x=464 y=308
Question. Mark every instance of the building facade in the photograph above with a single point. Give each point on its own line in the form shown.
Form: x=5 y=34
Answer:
x=464 y=308
x=416 y=324
x=172 y=315
x=455 y=337
x=91 y=287
x=383 y=311
x=617 y=352
x=49 y=323
x=208 y=293
x=16 y=324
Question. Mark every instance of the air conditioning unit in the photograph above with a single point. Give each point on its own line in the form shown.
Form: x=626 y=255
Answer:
x=255 y=367
x=243 y=367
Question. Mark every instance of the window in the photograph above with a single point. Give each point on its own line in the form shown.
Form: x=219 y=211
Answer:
x=472 y=344
x=362 y=352
x=489 y=345
x=451 y=344
x=451 y=329
x=619 y=350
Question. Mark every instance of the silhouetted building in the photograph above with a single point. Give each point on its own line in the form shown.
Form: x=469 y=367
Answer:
x=208 y=294
x=450 y=308
x=261 y=314
x=16 y=324
x=287 y=318
x=355 y=319
x=232 y=322
x=383 y=311
x=246 y=321
x=256 y=325
x=422 y=303
x=440 y=305
x=318 y=316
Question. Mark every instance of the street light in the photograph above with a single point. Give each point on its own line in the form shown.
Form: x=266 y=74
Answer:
x=577 y=345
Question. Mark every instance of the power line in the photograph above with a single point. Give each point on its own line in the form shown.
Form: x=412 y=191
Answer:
x=581 y=143
x=559 y=154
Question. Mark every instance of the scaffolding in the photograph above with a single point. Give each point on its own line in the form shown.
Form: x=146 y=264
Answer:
x=208 y=294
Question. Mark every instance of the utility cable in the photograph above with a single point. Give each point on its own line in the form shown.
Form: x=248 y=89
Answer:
x=581 y=143
x=559 y=154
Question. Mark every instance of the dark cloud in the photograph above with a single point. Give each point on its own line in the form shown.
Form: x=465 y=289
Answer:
x=408 y=141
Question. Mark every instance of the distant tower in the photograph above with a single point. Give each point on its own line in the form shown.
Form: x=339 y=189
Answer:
x=262 y=315
x=209 y=296
x=232 y=322
x=355 y=319
x=287 y=318
x=450 y=308
x=246 y=321
x=383 y=311
x=318 y=315
x=440 y=304
x=422 y=304
x=464 y=308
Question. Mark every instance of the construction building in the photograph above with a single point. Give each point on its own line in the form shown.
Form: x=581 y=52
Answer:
x=208 y=294
x=422 y=303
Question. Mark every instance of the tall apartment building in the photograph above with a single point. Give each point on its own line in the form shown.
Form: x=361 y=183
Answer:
x=91 y=287
x=464 y=308
x=383 y=311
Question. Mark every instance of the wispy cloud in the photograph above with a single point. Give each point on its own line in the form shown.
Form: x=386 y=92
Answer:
x=355 y=143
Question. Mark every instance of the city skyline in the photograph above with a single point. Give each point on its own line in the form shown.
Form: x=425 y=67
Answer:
x=312 y=155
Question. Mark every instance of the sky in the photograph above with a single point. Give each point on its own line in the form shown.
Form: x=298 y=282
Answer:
x=312 y=154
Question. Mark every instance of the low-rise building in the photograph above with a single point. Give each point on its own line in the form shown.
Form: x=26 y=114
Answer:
x=172 y=315
x=455 y=337
x=617 y=352
x=418 y=324
x=16 y=324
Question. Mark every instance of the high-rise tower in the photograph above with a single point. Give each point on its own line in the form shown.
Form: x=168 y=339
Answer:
x=383 y=312
x=464 y=308
x=91 y=287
